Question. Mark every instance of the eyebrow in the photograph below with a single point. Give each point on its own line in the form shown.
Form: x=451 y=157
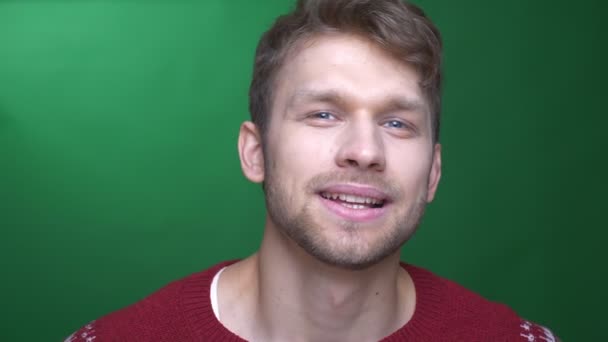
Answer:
x=310 y=95
x=398 y=103
x=405 y=104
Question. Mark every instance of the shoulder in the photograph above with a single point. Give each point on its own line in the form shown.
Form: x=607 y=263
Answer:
x=468 y=316
x=162 y=313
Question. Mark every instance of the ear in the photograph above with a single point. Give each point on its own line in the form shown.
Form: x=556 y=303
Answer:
x=435 y=173
x=250 y=152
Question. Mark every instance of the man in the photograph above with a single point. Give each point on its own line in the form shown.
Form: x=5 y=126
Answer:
x=345 y=103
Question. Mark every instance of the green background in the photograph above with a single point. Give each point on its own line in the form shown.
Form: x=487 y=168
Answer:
x=119 y=171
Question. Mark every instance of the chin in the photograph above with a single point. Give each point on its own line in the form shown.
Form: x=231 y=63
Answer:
x=351 y=248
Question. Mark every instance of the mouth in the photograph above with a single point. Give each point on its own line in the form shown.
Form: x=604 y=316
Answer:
x=354 y=203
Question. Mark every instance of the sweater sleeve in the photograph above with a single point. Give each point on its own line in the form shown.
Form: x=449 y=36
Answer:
x=532 y=332
x=84 y=334
x=155 y=318
x=471 y=317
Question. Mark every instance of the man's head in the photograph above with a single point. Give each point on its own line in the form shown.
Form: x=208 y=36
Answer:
x=345 y=103
x=399 y=28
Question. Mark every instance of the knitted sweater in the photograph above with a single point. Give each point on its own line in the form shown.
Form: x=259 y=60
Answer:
x=182 y=311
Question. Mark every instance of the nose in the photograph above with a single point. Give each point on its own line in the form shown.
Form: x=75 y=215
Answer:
x=361 y=147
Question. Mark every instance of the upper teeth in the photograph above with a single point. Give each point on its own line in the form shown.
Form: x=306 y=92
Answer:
x=352 y=198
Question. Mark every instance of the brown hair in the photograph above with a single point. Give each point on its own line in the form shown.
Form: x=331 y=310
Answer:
x=400 y=28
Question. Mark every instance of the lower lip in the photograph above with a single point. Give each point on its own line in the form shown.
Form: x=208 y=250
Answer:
x=350 y=214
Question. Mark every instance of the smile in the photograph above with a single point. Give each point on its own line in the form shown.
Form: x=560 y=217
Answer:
x=353 y=201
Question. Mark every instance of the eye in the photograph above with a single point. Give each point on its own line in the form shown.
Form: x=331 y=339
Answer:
x=396 y=124
x=323 y=115
x=322 y=118
x=400 y=128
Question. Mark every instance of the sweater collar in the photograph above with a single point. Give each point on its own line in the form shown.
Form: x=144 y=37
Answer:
x=195 y=302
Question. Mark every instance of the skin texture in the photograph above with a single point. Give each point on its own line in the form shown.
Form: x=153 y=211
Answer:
x=346 y=117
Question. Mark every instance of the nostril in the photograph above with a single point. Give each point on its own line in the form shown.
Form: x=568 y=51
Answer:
x=352 y=162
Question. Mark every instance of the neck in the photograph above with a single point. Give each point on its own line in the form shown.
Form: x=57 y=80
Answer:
x=298 y=296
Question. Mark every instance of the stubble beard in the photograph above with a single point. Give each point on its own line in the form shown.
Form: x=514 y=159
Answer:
x=351 y=249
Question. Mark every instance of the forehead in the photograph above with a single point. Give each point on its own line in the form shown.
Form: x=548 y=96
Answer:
x=346 y=64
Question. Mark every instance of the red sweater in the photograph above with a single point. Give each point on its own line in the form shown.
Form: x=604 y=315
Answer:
x=182 y=311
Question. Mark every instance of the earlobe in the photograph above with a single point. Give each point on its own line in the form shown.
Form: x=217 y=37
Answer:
x=250 y=152
x=435 y=173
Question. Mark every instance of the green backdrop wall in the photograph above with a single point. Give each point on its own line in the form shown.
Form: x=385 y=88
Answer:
x=119 y=171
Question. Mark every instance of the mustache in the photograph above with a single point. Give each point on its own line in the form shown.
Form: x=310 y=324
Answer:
x=320 y=181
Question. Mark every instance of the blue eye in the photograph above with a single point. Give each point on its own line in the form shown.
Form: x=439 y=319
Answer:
x=323 y=115
x=395 y=124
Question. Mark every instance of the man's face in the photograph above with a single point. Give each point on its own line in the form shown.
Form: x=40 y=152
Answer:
x=349 y=161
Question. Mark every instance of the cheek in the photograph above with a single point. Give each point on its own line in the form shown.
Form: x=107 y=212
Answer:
x=304 y=149
x=297 y=156
x=410 y=165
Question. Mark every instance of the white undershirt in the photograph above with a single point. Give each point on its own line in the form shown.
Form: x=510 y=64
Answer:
x=214 y=304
